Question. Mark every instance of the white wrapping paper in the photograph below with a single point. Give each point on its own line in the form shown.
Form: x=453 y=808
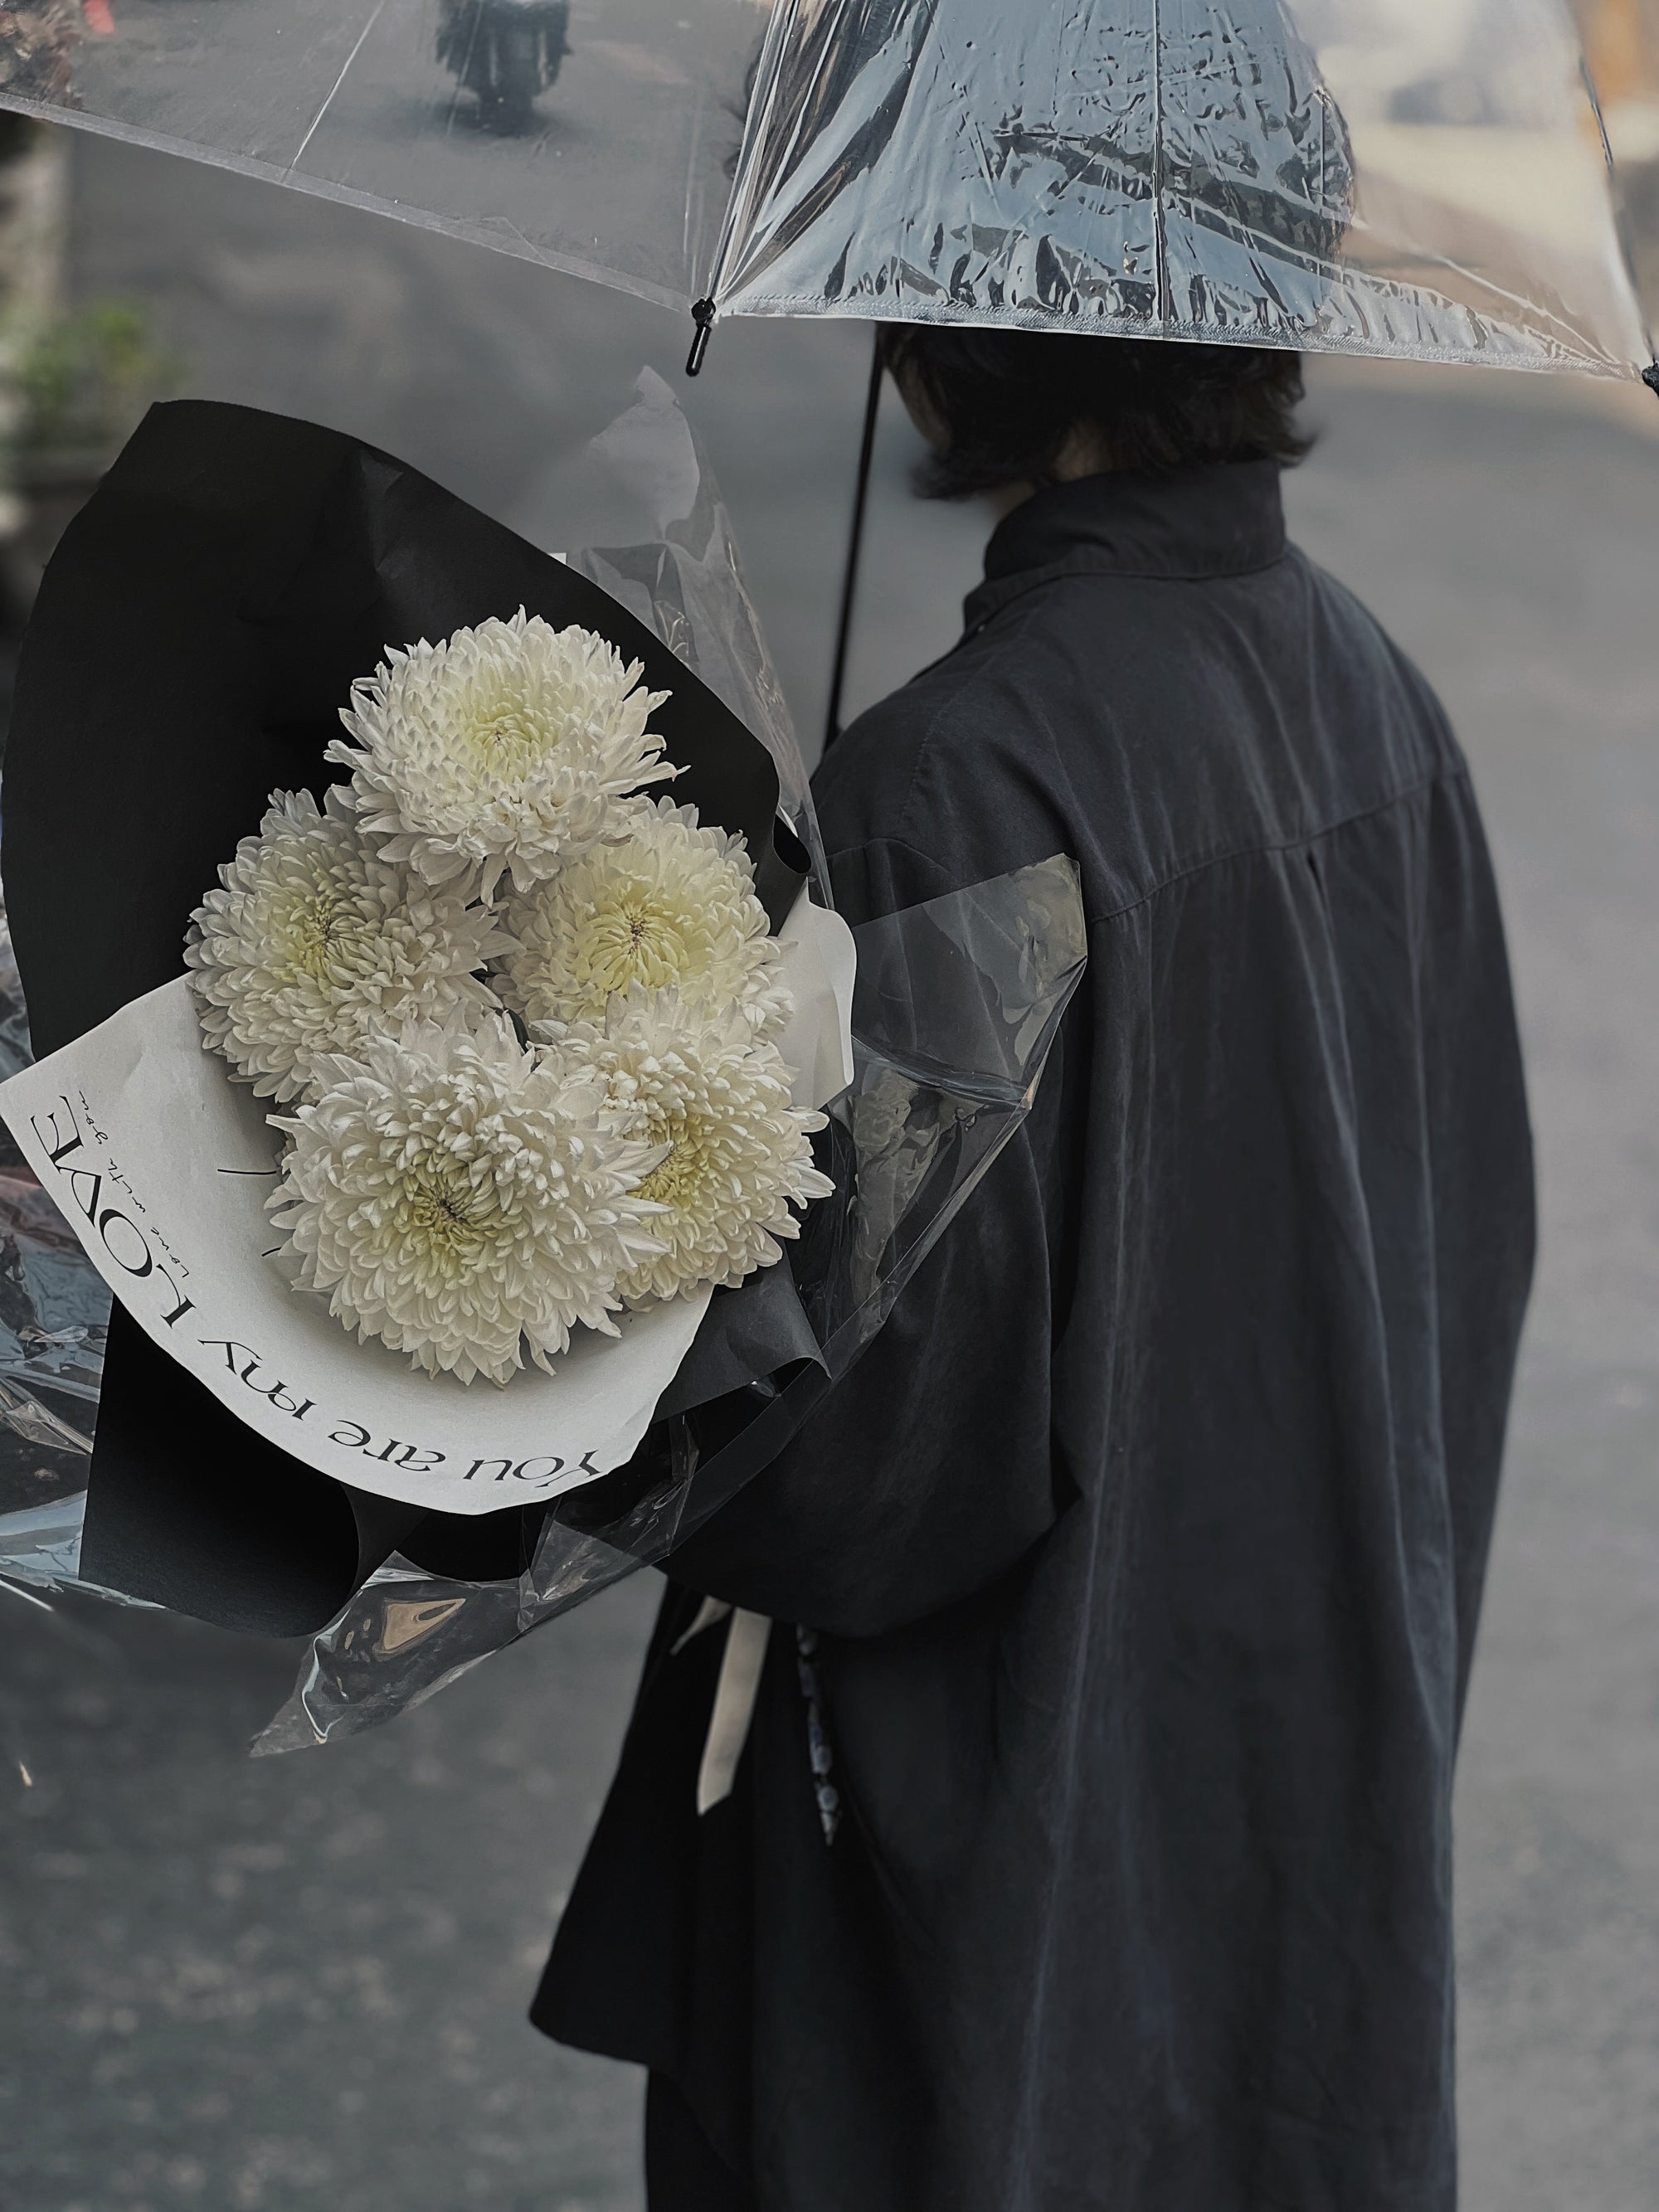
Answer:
x=162 y=1166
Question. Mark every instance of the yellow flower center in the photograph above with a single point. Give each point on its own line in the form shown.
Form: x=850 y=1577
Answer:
x=638 y=940
x=442 y=1214
x=507 y=733
x=674 y=1182
x=324 y=934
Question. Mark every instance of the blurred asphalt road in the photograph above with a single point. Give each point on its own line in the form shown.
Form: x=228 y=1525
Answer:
x=265 y=1988
x=646 y=117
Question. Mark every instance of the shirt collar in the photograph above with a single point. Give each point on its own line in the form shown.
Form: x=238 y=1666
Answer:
x=1222 y=520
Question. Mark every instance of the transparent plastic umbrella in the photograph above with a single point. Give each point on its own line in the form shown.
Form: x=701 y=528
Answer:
x=1423 y=177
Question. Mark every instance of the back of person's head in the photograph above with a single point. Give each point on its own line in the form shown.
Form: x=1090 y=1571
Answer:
x=1016 y=407
x=1258 y=181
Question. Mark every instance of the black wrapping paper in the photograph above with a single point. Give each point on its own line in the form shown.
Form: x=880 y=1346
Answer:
x=194 y=639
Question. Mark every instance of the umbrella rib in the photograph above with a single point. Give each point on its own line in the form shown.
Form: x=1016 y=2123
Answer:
x=333 y=90
x=756 y=121
x=1616 y=202
x=1160 y=235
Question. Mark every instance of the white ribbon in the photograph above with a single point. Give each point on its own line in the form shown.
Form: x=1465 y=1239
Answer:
x=735 y=1696
x=709 y=1613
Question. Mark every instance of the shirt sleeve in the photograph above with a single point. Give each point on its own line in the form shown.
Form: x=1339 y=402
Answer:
x=927 y=1473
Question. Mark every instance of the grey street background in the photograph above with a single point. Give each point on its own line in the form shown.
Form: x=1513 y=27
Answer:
x=300 y=1983
x=626 y=166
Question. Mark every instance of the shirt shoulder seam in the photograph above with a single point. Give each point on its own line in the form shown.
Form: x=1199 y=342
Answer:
x=924 y=747
x=1454 y=772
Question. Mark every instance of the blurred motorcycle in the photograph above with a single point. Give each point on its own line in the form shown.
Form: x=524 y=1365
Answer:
x=505 y=52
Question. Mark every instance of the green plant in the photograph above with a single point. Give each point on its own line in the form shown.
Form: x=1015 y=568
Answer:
x=88 y=377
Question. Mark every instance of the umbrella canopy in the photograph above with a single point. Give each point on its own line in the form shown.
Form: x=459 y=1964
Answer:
x=1426 y=177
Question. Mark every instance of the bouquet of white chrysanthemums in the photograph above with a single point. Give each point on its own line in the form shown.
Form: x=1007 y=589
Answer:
x=524 y=1012
x=518 y=1040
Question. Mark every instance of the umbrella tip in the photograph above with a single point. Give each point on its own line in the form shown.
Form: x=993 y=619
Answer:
x=702 y=315
x=1651 y=376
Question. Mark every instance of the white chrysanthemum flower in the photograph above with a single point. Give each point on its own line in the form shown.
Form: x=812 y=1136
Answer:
x=315 y=944
x=460 y=1197
x=501 y=750
x=701 y=1083
x=663 y=904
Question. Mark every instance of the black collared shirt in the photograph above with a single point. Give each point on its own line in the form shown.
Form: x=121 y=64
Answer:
x=1147 y=1540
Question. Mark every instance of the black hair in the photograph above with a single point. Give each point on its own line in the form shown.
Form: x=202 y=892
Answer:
x=1006 y=403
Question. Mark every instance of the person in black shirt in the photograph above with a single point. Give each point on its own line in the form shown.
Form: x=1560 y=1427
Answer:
x=1144 y=1548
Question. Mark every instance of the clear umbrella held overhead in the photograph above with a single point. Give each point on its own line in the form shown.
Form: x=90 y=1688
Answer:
x=1420 y=177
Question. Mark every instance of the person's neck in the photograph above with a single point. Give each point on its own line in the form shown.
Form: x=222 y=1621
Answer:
x=1086 y=453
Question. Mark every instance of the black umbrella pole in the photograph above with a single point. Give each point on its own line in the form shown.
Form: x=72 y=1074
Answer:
x=854 y=548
